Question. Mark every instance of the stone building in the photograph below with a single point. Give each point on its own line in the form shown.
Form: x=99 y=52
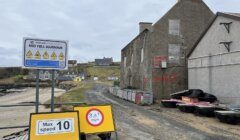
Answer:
x=156 y=59
x=104 y=62
x=214 y=62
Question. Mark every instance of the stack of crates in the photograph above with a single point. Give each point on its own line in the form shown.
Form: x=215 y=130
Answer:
x=136 y=96
x=147 y=98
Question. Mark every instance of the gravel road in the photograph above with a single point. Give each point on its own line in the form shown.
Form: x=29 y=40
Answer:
x=156 y=123
x=20 y=115
x=134 y=122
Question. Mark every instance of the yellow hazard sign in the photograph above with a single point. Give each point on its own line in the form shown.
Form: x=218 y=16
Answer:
x=37 y=55
x=45 y=55
x=54 y=126
x=54 y=56
x=96 y=119
x=61 y=56
x=29 y=54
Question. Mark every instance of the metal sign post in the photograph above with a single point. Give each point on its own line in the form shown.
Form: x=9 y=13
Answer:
x=45 y=54
x=52 y=95
x=37 y=91
x=116 y=135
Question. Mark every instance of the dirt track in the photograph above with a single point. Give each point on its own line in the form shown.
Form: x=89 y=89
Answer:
x=20 y=115
x=135 y=122
x=156 y=123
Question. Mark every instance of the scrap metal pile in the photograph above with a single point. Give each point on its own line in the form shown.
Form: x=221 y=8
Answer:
x=203 y=104
x=135 y=96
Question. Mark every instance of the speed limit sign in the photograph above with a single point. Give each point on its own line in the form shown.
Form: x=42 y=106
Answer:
x=94 y=117
x=54 y=126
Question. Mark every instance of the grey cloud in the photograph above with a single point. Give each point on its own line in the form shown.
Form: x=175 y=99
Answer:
x=94 y=28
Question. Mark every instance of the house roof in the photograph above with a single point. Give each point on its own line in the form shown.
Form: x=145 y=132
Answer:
x=235 y=16
x=72 y=61
x=104 y=61
x=162 y=18
x=143 y=32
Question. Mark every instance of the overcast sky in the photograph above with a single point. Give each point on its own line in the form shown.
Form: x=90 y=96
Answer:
x=94 y=28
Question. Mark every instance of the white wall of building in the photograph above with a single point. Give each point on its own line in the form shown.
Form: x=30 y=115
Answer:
x=212 y=68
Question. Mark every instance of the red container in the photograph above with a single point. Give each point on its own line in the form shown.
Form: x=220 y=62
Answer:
x=138 y=97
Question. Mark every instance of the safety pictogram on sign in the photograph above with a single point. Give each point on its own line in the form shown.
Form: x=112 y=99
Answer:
x=61 y=56
x=38 y=55
x=94 y=117
x=45 y=55
x=54 y=56
x=29 y=54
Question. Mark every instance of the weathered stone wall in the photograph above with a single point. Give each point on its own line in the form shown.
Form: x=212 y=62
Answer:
x=133 y=73
x=193 y=16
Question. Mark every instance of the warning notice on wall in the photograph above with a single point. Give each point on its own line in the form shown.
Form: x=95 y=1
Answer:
x=157 y=61
x=45 y=54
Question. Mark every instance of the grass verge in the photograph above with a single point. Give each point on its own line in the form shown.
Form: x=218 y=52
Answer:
x=74 y=95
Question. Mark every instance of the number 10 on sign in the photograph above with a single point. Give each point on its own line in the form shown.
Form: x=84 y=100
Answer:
x=56 y=126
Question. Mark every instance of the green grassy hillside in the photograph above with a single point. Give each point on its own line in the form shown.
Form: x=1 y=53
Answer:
x=103 y=72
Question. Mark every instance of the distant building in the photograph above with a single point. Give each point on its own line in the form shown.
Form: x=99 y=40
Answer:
x=155 y=60
x=44 y=75
x=112 y=78
x=72 y=63
x=104 y=62
x=214 y=61
x=95 y=78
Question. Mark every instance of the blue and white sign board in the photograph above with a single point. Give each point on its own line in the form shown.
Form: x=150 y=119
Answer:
x=45 y=54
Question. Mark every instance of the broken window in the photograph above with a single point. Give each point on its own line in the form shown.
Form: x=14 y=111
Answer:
x=142 y=55
x=174 y=53
x=174 y=27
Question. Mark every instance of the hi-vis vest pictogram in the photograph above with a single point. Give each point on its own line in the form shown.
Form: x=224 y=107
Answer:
x=45 y=55
x=54 y=56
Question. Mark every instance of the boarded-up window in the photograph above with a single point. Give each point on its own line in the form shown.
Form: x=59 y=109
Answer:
x=174 y=53
x=142 y=55
x=125 y=61
x=174 y=27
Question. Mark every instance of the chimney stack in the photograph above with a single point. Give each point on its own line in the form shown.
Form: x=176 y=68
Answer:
x=145 y=25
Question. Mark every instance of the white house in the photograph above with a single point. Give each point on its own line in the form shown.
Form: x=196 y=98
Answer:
x=214 y=61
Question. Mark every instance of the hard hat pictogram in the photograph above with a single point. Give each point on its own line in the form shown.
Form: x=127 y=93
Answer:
x=38 y=55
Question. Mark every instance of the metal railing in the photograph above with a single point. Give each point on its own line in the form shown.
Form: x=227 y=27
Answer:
x=33 y=104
